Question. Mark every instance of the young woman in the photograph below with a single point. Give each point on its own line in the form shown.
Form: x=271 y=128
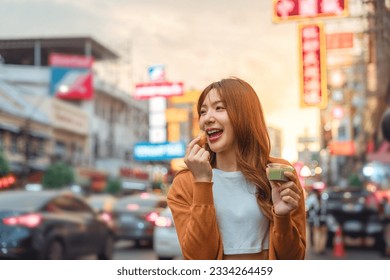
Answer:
x=223 y=205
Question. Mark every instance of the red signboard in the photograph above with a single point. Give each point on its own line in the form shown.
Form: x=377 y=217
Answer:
x=312 y=65
x=285 y=10
x=342 y=40
x=73 y=61
x=158 y=89
x=71 y=76
x=342 y=148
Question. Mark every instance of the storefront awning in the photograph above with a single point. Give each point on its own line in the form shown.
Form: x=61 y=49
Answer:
x=9 y=127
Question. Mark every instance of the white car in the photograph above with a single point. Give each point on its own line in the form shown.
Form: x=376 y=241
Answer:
x=165 y=242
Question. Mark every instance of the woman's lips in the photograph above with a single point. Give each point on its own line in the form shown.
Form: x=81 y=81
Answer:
x=215 y=136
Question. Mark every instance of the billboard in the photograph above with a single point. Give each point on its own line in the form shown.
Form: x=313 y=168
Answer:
x=312 y=65
x=71 y=76
x=158 y=151
x=287 y=10
x=158 y=89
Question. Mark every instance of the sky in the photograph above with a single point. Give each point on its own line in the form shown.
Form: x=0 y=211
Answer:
x=199 y=42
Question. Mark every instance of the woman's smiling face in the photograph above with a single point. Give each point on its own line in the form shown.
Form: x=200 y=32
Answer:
x=215 y=121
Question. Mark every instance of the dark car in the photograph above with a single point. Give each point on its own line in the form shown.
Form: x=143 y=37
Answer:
x=357 y=208
x=51 y=225
x=355 y=211
x=103 y=204
x=136 y=215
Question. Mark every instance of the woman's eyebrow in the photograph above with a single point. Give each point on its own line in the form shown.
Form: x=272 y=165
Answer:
x=214 y=103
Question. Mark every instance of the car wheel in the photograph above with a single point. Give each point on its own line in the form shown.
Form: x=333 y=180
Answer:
x=107 y=249
x=55 y=250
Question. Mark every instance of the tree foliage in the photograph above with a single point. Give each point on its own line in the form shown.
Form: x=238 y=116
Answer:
x=58 y=175
x=113 y=186
x=4 y=165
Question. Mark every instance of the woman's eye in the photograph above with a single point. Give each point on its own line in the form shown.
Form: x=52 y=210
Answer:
x=220 y=108
x=202 y=112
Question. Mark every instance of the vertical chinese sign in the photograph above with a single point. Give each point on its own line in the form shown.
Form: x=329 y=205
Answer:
x=312 y=64
x=71 y=76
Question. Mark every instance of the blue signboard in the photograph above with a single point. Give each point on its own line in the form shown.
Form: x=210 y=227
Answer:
x=71 y=76
x=159 y=151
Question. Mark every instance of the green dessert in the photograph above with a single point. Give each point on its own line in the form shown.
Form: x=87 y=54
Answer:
x=276 y=171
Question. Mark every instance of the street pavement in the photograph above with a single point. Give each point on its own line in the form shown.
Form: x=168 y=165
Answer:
x=125 y=250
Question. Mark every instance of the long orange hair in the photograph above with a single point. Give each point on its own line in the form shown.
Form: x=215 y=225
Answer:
x=253 y=144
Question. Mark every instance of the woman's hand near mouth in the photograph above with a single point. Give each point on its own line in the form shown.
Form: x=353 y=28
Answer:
x=197 y=161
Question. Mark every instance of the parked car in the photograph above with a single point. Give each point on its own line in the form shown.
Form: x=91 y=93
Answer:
x=356 y=211
x=51 y=225
x=357 y=208
x=165 y=242
x=103 y=204
x=135 y=216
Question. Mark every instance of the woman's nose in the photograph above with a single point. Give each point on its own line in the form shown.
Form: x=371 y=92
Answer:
x=209 y=117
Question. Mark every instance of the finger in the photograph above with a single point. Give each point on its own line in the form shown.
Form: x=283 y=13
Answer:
x=290 y=185
x=201 y=154
x=205 y=155
x=293 y=203
x=288 y=192
x=290 y=175
x=192 y=144
x=194 y=151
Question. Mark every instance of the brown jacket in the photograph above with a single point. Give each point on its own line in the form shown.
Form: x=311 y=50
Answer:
x=194 y=215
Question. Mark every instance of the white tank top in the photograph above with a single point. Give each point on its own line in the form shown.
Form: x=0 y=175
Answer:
x=243 y=226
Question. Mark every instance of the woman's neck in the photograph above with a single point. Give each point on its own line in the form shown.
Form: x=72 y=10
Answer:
x=226 y=162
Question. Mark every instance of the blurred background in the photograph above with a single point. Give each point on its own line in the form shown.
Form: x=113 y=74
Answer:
x=97 y=103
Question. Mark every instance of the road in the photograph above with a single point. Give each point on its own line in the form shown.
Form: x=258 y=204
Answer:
x=126 y=251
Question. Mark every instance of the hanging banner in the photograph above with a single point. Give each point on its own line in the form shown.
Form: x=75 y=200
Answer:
x=158 y=89
x=312 y=65
x=71 y=76
x=287 y=10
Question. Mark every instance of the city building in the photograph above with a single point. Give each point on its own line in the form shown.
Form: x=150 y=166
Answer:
x=95 y=135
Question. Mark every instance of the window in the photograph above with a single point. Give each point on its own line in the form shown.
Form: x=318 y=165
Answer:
x=60 y=149
x=14 y=145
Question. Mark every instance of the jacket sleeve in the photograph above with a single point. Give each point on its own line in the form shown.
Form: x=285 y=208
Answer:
x=193 y=211
x=289 y=233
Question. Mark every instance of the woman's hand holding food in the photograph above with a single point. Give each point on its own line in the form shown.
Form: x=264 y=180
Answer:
x=285 y=195
x=197 y=159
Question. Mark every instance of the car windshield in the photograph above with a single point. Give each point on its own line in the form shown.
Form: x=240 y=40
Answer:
x=98 y=202
x=139 y=201
x=22 y=200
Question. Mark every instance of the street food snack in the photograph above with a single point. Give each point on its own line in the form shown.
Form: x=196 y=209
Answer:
x=276 y=171
x=203 y=138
